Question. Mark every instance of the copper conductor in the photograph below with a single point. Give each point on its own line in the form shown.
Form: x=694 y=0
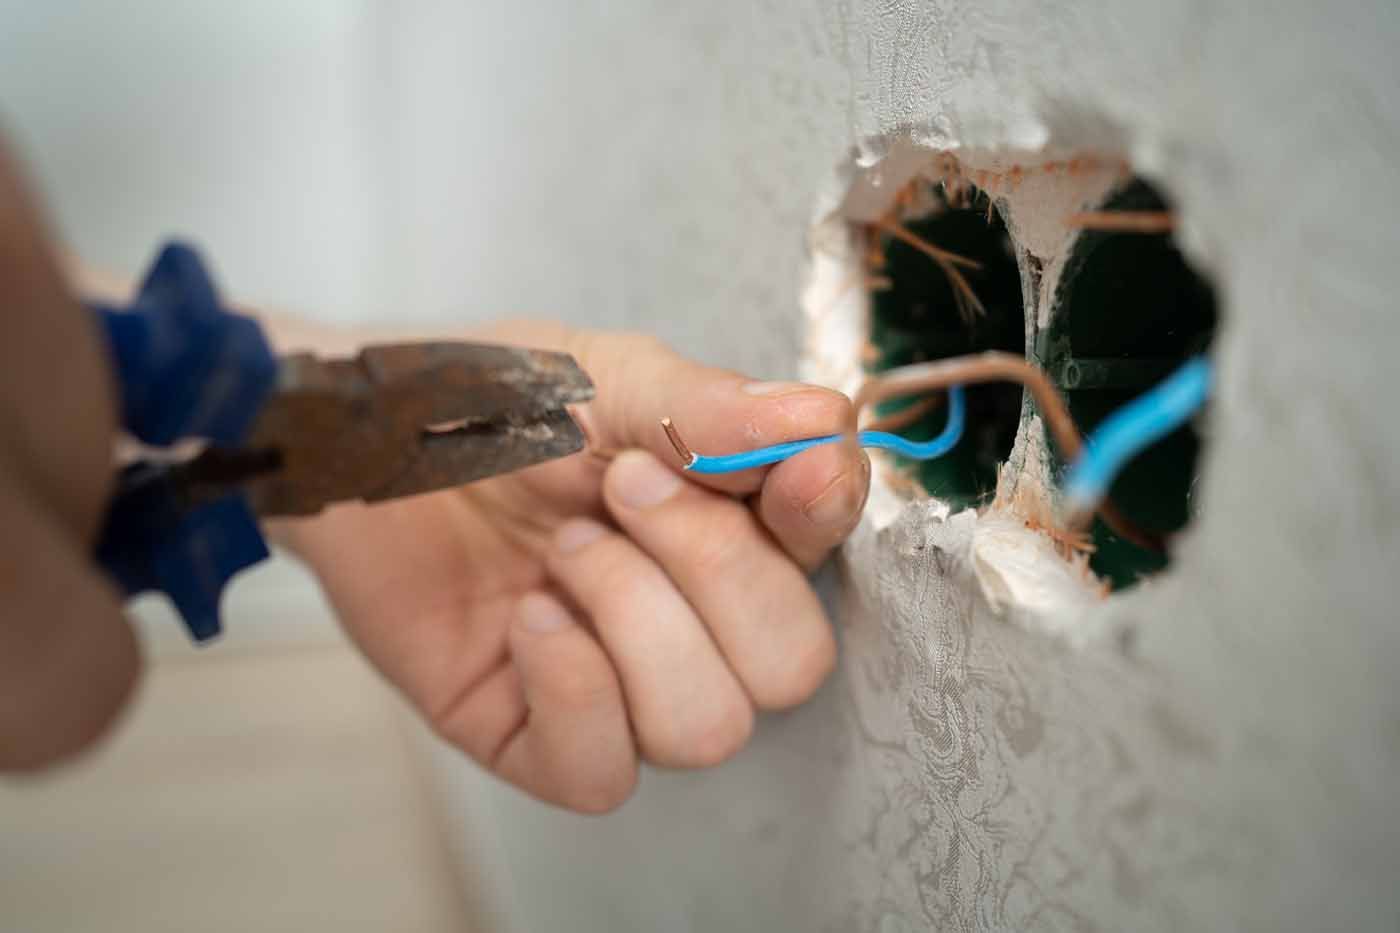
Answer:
x=681 y=447
x=1124 y=221
x=1003 y=367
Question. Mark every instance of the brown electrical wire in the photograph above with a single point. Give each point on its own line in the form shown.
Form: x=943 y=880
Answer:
x=922 y=378
x=1124 y=221
x=898 y=420
x=969 y=305
x=901 y=232
x=1003 y=367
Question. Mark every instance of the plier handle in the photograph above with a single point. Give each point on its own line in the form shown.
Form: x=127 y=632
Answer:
x=290 y=435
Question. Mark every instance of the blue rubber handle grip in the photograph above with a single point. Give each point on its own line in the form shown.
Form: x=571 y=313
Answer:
x=187 y=368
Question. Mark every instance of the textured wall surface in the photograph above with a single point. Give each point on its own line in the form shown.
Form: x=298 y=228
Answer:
x=1221 y=753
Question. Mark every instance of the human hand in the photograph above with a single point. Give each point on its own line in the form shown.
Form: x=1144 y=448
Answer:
x=560 y=623
x=68 y=658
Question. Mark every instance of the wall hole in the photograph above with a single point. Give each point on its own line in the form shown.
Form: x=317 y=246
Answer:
x=915 y=317
x=1128 y=309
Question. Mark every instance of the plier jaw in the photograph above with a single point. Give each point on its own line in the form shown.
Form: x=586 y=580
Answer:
x=399 y=420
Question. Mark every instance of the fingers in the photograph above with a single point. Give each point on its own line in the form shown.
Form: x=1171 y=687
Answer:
x=754 y=600
x=809 y=503
x=574 y=747
x=639 y=381
x=688 y=708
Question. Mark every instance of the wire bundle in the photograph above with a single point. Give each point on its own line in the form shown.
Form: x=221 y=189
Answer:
x=1096 y=461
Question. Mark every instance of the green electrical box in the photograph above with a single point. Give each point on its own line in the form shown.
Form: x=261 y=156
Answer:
x=917 y=319
x=1128 y=310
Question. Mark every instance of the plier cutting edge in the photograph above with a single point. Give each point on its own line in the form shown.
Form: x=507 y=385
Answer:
x=287 y=436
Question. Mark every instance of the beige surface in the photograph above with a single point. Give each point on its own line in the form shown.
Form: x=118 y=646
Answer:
x=263 y=784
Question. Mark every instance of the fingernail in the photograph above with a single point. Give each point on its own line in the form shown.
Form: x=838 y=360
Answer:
x=642 y=481
x=773 y=388
x=836 y=504
x=539 y=613
x=576 y=535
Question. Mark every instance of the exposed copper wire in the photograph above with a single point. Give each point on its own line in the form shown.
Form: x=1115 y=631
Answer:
x=1124 y=221
x=992 y=366
x=681 y=447
x=969 y=305
x=969 y=370
x=891 y=422
x=901 y=232
x=898 y=420
x=1124 y=527
x=1003 y=367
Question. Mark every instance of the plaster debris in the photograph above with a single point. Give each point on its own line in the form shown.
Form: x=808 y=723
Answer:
x=1022 y=576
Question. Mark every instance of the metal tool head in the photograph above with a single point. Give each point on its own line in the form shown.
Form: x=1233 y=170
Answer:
x=403 y=419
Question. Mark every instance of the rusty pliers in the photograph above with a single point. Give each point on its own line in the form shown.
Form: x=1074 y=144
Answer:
x=288 y=436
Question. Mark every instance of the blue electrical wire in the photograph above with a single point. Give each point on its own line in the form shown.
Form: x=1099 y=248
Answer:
x=919 y=450
x=1137 y=425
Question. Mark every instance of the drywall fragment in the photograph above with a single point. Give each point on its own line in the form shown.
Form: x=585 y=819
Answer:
x=1024 y=579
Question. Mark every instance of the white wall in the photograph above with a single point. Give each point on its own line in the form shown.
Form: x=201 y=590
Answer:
x=656 y=165
x=252 y=128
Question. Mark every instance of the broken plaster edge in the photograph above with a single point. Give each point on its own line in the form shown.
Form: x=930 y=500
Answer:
x=1016 y=569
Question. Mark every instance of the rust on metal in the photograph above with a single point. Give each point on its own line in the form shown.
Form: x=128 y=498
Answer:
x=403 y=419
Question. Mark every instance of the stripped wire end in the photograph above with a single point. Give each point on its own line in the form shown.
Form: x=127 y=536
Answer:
x=682 y=449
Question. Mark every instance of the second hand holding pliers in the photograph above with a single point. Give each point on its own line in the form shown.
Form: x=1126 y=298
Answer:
x=287 y=436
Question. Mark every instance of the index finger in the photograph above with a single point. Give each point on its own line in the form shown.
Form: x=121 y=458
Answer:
x=640 y=381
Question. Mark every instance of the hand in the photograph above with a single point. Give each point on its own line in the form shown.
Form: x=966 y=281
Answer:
x=68 y=658
x=559 y=623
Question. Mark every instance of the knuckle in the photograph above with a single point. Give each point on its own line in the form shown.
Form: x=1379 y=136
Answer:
x=442 y=721
x=720 y=539
x=579 y=688
x=612 y=586
x=484 y=746
x=721 y=740
x=599 y=574
x=604 y=792
x=640 y=344
x=701 y=742
x=802 y=672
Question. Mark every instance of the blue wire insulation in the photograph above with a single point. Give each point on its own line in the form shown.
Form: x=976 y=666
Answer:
x=1137 y=425
x=946 y=440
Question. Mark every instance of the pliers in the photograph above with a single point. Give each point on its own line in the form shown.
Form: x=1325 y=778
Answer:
x=228 y=432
